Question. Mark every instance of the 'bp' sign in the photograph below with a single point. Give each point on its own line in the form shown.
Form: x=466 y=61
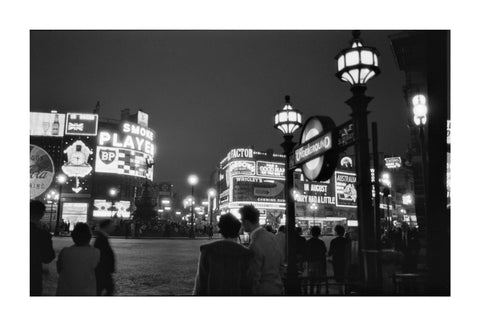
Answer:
x=317 y=154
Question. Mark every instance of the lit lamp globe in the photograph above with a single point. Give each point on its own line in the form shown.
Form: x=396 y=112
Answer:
x=419 y=109
x=357 y=64
x=61 y=178
x=212 y=192
x=288 y=119
x=192 y=179
x=112 y=192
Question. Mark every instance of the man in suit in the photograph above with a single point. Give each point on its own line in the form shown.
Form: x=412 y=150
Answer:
x=41 y=249
x=407 y=243
x=267 y=261
x=106 y=266
x=224 y=265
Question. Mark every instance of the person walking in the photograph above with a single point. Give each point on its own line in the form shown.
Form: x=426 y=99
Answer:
x=76 y=265
x=224 y=265
x=406 y=242
x=41 y=248
x=268 y=257
x=106 y=266
x=315 y=257
x=337 y=251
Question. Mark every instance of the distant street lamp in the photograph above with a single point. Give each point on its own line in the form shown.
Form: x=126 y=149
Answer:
x=420 y=111
x=211 y=194
x=61 y=179
x=192 y=180
x=357 y=65
x=287 y=121
x=52 y=197
x=112 y=192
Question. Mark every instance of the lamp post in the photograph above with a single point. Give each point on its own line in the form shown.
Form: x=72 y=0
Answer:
x=357 y=65
x=211 y=194
x=52 y=197
x=192 y=181
x=420 y=111
x=61 y=179
x=112 y=192
x=287 y=120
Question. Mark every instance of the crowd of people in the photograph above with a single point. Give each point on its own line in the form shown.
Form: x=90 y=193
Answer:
x=228 y=266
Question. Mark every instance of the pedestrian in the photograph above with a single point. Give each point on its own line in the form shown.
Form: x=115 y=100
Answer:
x=41 y=248
x=224 y=265
x=282 y=242
x=76 y=264
x=337 y=251
x=315 y=257
x=406 y=242
x=106 y=266
x=267 y=261
x=300 y=248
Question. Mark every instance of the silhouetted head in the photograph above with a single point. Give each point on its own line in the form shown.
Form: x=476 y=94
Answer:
x=269 y=228
x=250 y=217
x=281 y=228
x=37 y=209
x=107 y=226
x=229 y=226
x=315 y=231
x=298 y=230
x=339 y=230
x=81 y=234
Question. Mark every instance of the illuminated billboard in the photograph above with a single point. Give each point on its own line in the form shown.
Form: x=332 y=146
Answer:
x=256 y=189
x=315 y=192
x=126 y=152
x=270 y=169
x=47 y=124
x=393 y=162
x=74 y=212
x=82 y=124
x=103 y=208
x=42 y=171
x=77 y=163
x=345 y=192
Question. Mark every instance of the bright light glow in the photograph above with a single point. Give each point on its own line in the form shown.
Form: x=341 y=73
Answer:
x=177 y=213
x=204 y=203
x=168 y=208
x=113 y=192
x=420 y=109
x=192 y=179
x=385 y=180
x=212 y=192
x=160 y=210
x=419 y=99
x=165 y=201
x=407 y=199
x=288 y=119
x=61 y=178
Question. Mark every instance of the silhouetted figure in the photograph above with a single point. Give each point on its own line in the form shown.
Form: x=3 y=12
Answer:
x=268 y=257
x=76 y=264
x=338 y=247
x=41 y=249
x=269 y=228
x=406 y=241
x=315 y=256
x=210 y=231
x=281 y=239
x=300 y=247
x=106 y=266
x=224 y=265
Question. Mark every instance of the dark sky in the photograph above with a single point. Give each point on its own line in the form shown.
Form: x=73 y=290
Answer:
x=209 y=91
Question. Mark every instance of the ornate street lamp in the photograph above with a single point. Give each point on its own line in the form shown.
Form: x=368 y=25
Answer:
x=287 y=120
x=211 y=194
x=356 y=66
x=61 y=179
x=192 y=181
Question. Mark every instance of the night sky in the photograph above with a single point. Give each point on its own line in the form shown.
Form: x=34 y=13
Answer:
x=209 y=91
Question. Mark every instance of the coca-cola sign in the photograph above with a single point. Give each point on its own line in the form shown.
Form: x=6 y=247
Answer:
x=42 y=171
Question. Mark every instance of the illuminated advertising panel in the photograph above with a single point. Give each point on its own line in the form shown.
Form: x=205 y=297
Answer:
x=74 y=212
x=127 y=152
x=82 y=124
x=241 y=167
x=42 y=171
x=47 y=124
x=345 y=192
x=393 y=162
x=270 y=169
x=315 y=192
x=103 y=208
x=255 y=189
x=78 y=160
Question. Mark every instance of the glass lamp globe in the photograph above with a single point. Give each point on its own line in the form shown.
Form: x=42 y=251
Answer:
x=357 y=64
x=288 y=119
x=192 y=179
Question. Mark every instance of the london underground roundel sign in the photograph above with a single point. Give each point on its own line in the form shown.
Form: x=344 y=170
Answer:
x=317 y=152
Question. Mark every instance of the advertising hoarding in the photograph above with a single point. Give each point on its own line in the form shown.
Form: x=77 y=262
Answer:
x=127 y=151
x=393 y=162
x=256 y=189
x=270 y=169
x=103 y=208
x=42 y=171
x=345 y=192
x=47 y=124
x=82 y=124
x=315 y=192
x=74 y=212
x=77 y=163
